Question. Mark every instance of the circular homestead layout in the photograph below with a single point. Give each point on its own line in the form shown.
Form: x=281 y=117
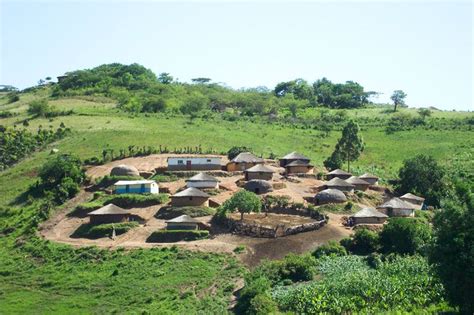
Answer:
x=273 y=225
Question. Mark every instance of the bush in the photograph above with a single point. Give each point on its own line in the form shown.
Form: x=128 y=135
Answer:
x=103 y=230
x=109 y=180
x=262 y=304
x=137 y=200
x=253 y=287
x=13 y=97
x=405 y=236
x=424 y=215
x=363 y=242
x=332 y=248
x=168 y=236
x=170 y=212
x=39 y=107
x=234 y=151
x=293 y=268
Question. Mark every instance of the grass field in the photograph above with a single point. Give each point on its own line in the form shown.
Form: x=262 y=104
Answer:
x=41 y=277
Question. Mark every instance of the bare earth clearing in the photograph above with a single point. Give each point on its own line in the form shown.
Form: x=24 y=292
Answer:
x=60 y=227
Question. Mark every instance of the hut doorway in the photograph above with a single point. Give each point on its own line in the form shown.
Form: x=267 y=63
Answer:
x=188 y=165
x=257 y=190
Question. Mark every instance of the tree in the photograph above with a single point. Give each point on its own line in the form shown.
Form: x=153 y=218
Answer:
x=332 y=248
x=453 y=247
x=244 y=202
x=165 y=78
x=405 y=236
x=348 y=148
x=39 y=107
x=422 y=175
x=201 y=80
x=398 y=98
x=363 y=242
x=424 y=112
x=234 y=151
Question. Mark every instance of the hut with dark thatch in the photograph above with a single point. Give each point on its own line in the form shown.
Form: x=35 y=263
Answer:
x=299 y=167
x=329 y=196
x=190 y=197
x=258 y=186
x=108 y=214
x=183 y=222
x=414 y=200
x=359 y=184
x=292 y=157
x=338 y=173
x=243 y=161
x=368 y=216
x=124 y=170
x=369 y=178
x=340 y=184
x=396 y=207
x=259 y=172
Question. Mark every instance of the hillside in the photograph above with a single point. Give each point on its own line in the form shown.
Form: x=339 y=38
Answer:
x=59 y=278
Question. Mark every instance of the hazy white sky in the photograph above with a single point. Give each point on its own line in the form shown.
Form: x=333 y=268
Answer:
x=423 y=48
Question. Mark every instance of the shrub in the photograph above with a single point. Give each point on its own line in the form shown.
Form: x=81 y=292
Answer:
x=168 y=236
x=262 y=304
x=293 y=268
x=363 y=242
x=424 y=215
x=405 y=236
x=13 y=97
x=253 y=287
x=239 y=249
x=109 y=180
x=39 y=107
x=137 y=200
x=332 y=248
x=234 y=151
x=170 y=212
x=103 y=230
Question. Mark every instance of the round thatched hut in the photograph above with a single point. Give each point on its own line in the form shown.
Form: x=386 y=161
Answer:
x=258 y=186
x=330 y=196
x=124 y=170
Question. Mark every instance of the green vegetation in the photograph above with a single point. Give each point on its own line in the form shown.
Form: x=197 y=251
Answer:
x=330 y=249
x=242 y=201
x=453 y=248
x=103 y=230
x=348 y=284
x=348 y=148
x=422 y=175
x=169 y=236
x=109 y=180
x=171 y=212
x=136 y=200
x=363 y=242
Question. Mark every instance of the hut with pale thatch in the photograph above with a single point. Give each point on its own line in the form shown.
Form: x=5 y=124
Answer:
x=190 y=197
x=396 y=207
x=108 y=214
x=369 y=178
x=359 y=184
x=259 y=172
x=414 y=200
x=202 y=180
x=258 y=186
x=124 y=170
x=292 y=157
x=183 y=222
x=369 y=216
x=340 y=184
x=299 y=167
x=243 y=161
x=338 y=173
x=329 y=196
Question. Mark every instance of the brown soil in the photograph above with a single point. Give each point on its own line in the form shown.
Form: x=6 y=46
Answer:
x=271 y=219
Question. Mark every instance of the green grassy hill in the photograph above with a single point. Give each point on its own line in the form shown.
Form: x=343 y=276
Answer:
x=37 y=276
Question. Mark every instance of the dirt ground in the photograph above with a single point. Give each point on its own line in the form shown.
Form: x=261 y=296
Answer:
x=60 y=227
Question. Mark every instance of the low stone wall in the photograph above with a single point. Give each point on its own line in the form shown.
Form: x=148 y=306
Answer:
x=255 y=230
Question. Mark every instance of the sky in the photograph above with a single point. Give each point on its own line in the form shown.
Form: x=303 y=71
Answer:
x=423 y=48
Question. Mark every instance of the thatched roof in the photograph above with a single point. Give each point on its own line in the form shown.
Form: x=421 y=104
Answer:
x=246 y=157
x=299 y=163
x=259 y=168
x=412 y=196
x=368 y=175
x=396 y=203
x=124 y=170
x=109 y=209
x=134 y=182
x=336 y=181
x=202 y=177
x=295 y=156
x=183 y=219
x=262 y=185
x=191 y=192
x=354 y=180
x=330 y=196
x=338 y=172
x=369 y=213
